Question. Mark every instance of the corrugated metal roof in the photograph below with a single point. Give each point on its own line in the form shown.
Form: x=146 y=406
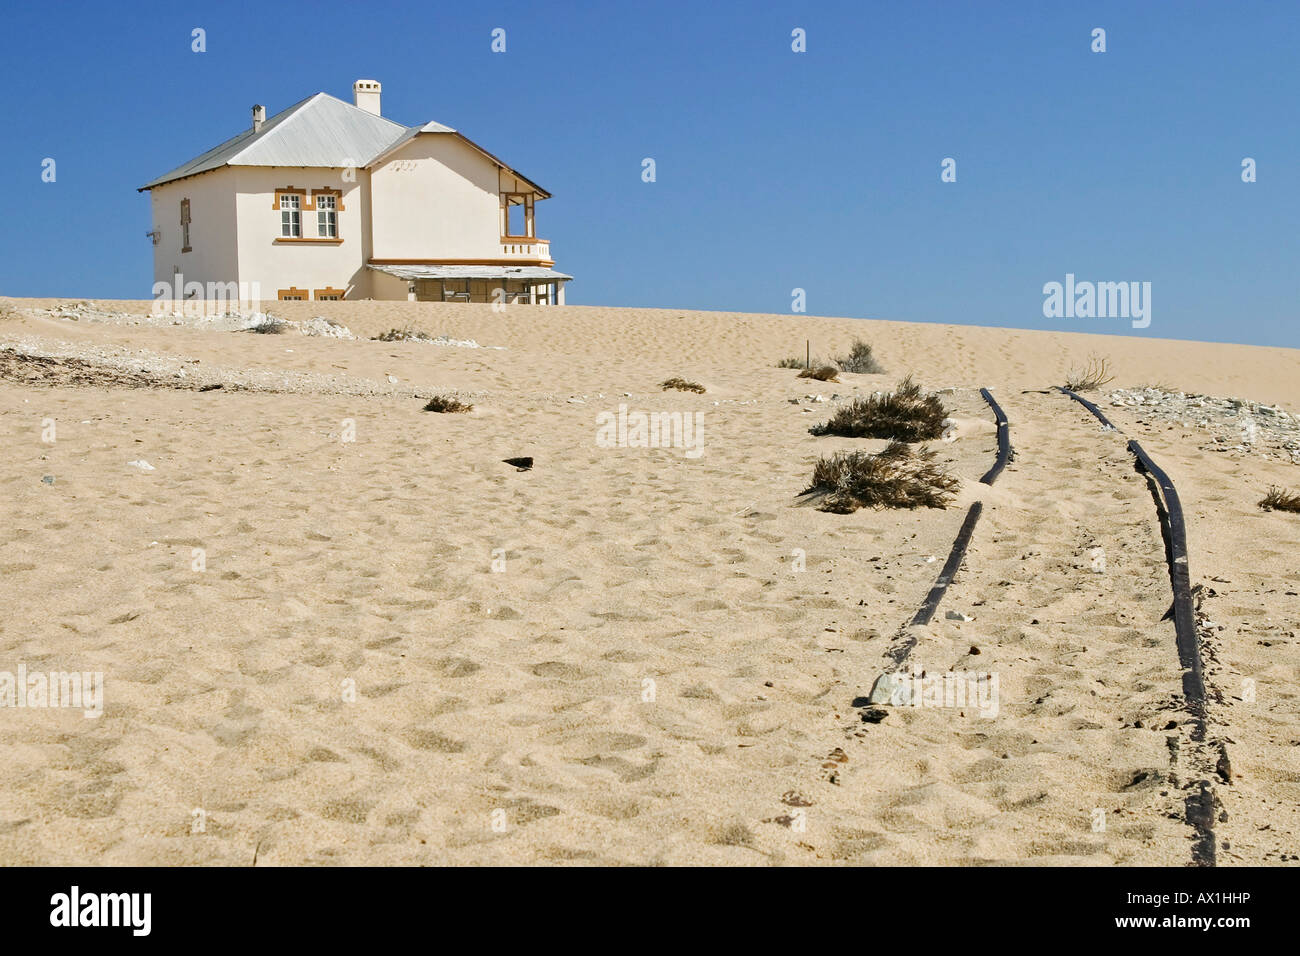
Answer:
x=471 y=272
x=318 y=131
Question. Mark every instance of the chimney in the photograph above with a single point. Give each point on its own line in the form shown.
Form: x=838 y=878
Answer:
x=365 y=95
x=259 y=117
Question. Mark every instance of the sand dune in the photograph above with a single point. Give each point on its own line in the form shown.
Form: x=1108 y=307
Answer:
x=400 y=650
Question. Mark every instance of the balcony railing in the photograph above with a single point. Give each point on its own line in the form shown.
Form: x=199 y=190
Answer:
x=513 y=247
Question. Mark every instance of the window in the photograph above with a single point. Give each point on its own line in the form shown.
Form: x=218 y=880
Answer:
x=327 y=217
x=290 y=215
x=517 y=215
x=293 y=294
x=329 y=294
x=291 y=203
x=185 y=225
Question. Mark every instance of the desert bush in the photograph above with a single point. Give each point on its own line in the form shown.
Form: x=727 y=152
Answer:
x=1280 y=499
x=271 y=326
x=860 y=359
x=444 y=403
x=682 y=385
x=904 y=414
x=406 y=334
x=1089 y=377
x=823 y=373
x=792 y=362
x=901 y=476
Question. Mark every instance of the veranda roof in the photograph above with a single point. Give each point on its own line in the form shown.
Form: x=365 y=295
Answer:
x=409 y=272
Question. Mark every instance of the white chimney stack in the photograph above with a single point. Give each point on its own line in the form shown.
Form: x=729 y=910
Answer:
x=365 y=95
x=259 y=117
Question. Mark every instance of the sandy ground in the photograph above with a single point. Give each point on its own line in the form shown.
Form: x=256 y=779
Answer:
x=397 y=649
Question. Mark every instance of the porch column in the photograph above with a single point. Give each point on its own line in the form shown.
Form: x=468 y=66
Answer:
x=559 y=292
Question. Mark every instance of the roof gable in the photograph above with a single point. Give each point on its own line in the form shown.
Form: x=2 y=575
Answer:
x=440 y=129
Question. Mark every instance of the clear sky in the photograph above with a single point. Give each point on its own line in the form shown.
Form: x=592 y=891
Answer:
x=775 y=170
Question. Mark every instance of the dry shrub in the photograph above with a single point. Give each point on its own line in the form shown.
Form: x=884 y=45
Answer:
x=904 y=414
x=1280 y=499
x=444 y=403
x=272 y=326
x=1090 y=377
x=682 y=385
x=791 y=362
x=860 y=359
x=824 y=373
x=406 y=334
x=734 y=834
x=898 y=477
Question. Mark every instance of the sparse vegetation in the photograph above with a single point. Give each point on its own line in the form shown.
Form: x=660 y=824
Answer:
x=682 y=385
x=406 y=334
x=792 y=362
x=1281 y=499
x=860 y=359
x=904 y=414
x=271 y=326
x=444 y=403
x=1090 y=377
x=901 y=476
x=734 y=834
x=823 y=373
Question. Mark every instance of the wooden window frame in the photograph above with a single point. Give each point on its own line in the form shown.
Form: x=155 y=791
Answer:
x=293 y=294
x=291 y=191
x=529 y=201
x=336 y=193
x=185 y=226
x=325 y=215
x=329 y=291
x=284 y=209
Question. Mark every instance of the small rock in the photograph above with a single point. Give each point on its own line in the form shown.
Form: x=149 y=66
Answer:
x=141 y=464
x=48 y=479
x=892 y=689
x=958 y=616
x=874 y=715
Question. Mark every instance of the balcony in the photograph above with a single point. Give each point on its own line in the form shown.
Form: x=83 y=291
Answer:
x=525 y=248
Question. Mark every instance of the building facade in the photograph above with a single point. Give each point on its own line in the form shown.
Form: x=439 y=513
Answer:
x=330 y=200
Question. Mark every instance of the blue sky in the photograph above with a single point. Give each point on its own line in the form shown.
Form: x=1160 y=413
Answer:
x=775 y=170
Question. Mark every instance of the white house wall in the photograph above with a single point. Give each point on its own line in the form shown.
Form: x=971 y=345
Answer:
x=304 y=265
x=436 y=198
x=212 y=255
